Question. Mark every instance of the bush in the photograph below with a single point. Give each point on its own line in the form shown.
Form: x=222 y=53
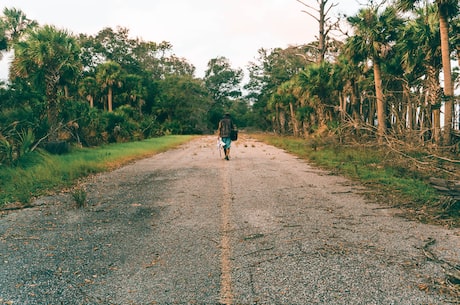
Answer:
x=57 y=147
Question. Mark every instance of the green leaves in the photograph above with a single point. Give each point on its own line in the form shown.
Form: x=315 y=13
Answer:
x=15 y=145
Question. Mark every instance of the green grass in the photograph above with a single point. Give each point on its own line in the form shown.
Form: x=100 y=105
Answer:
x=39 y=173
x=393 y=179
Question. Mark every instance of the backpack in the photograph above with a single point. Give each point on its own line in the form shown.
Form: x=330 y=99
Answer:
x=234 y=134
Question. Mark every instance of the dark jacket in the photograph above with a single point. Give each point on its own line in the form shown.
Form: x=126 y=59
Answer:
x=225 y=127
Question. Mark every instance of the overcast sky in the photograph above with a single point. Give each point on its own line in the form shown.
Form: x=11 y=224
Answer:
x=197 y=29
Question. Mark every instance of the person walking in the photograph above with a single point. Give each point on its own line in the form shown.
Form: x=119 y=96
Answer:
x=224 y=130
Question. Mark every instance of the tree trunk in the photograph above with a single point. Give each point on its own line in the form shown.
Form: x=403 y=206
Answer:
x=322 y=35
x=282 y=122
x=342 y=106
x=295 y=124
x=90 y=100
x=381 y=117
x=409 y=108
x=52 y=80
x=109 y=99
x=356 y=105
x=436 y=119
x=276 y=120
x=448 y=85
x=410 y=115
x=432 y=84
x=321 y=113
x=458 y=54
x=141 y=103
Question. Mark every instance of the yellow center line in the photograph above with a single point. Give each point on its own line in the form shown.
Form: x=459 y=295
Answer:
x=226 y=296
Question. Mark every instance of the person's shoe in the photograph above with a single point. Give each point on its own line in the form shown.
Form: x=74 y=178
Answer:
x=227 y=158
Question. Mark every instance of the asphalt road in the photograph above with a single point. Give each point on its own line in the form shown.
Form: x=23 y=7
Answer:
x=186 y=227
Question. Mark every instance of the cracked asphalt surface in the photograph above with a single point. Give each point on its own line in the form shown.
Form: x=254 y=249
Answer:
x=186 y=227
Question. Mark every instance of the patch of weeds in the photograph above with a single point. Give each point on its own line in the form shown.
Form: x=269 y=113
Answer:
x=23 y=197
x=79 y=197
x=451 y=206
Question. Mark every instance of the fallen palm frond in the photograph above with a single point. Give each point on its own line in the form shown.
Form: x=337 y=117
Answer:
x=450 y=285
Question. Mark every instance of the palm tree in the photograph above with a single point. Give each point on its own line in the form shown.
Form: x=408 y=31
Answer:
x=44 y=57
x=349 y=76
x=135 y=91
x=282 y=103
x=446 y=10
x=3 y=38
x=420 y=46
x=316 y=83
x=374 y=34
x=15 y=24
x=108 y=75
x=88 y=88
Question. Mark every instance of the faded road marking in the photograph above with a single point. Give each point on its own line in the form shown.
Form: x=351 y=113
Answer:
x=226 y=296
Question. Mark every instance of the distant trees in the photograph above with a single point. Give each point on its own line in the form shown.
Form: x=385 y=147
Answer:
x=224 y=86
x=108 y=75
x=183 y=105
x=88 y=88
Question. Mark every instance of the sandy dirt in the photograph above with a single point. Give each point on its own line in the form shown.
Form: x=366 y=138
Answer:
x=187 y=227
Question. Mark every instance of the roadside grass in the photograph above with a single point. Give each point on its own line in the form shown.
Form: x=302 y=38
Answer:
x=391 y=180
x=40 y=173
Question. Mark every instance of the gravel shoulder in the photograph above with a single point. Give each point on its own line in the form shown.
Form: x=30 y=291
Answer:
x=186 y=227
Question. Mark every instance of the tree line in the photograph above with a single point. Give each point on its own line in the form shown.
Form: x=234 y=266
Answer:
x=90 y=90
x=390 y=76
x=384 y=76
